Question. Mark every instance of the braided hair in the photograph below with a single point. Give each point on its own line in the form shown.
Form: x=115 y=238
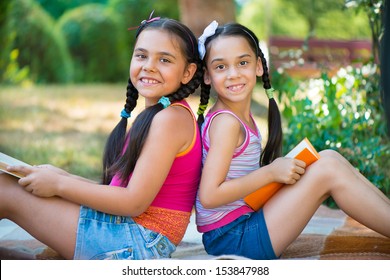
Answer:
x=117 y=160
x=273 y=148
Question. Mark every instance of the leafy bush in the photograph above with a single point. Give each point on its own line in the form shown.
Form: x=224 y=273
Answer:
x=58 y=7
x=5 y=37
x=40 y=47
x=96 y=43
x=12 y=74
x=342 y=113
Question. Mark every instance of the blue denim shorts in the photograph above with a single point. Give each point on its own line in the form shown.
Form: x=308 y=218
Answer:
x=246 y=236
x=102 y=236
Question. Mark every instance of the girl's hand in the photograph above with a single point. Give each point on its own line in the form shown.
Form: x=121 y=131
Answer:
x=53 y=168
x=38 y=180
x=287 y=170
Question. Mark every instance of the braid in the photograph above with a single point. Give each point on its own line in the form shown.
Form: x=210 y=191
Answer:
x=204 y=101
x=131 y=97
x=116 y=140
x=204 y=95
x=273 y=148
x=265 y=77
x=185 y=90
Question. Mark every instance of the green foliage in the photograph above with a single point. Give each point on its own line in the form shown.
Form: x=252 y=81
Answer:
x=83 y=41
x=58 y=7
x=12 y=74
x=267 y=19
x=134 y=11
x=342 y=113
x=41 y=48
x=96 y=43
x=342 y=24
x=298 y=19
x=5 y=36
x=373 y=10
x=313 y=10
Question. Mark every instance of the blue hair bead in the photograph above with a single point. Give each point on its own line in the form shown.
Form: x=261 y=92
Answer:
x=164 y=101
x=124 y=114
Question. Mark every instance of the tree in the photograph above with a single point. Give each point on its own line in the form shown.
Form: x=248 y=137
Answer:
x=378 y=13
x=268 y=18
x=198 y=14
x=385 y=64
x=373 y=9
x=275 y=18
x=311 y=10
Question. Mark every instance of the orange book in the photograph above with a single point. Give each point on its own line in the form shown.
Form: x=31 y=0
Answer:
x=303 y=151
x=9 y=161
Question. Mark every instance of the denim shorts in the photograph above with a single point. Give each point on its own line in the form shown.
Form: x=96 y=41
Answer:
x=102 y=236
x=247 y=236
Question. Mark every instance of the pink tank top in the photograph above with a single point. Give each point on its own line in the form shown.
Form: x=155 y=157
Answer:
x=171 y=209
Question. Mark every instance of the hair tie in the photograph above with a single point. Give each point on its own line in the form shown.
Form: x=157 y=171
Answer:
x=145 y=21
x=124 y=114
x=164 y=101
x=208 y=32
x=270 y=92
x=201 y=109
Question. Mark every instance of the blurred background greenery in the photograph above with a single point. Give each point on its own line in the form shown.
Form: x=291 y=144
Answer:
x=64 y=66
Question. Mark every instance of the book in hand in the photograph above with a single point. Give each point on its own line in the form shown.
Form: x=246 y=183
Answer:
x=303 y=151
x=6 y=160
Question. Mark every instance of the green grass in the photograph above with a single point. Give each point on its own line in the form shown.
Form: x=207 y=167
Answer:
x=66 y=126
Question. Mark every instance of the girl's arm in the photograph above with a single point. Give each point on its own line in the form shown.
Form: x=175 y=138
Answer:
x=169 y=134
x=225 y=135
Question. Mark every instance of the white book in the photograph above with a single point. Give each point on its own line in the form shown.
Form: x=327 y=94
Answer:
x=6 y=161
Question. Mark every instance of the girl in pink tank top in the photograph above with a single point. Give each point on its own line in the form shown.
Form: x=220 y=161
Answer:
x=155 y=170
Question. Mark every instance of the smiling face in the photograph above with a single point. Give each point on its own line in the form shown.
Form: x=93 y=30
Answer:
x=158 y=66
x=232 y=67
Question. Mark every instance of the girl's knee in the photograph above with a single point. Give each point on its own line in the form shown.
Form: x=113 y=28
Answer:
x=334 y=163
x=329 y=167
x=330 y=153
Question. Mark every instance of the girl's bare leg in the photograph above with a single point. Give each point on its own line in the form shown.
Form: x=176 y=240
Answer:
x=331 y=153
x=52 y=221
x=288 y=211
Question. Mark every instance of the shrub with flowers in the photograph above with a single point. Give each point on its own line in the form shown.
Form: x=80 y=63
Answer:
x=343 y=113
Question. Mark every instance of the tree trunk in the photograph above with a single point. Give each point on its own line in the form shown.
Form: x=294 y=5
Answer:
x=197 y=14
x=385 y=63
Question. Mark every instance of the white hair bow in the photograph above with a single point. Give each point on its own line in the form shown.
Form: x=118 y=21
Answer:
x=208 y=31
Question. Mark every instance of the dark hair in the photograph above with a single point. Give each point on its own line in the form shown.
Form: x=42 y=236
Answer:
x=273 y=148
x=113 y=161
